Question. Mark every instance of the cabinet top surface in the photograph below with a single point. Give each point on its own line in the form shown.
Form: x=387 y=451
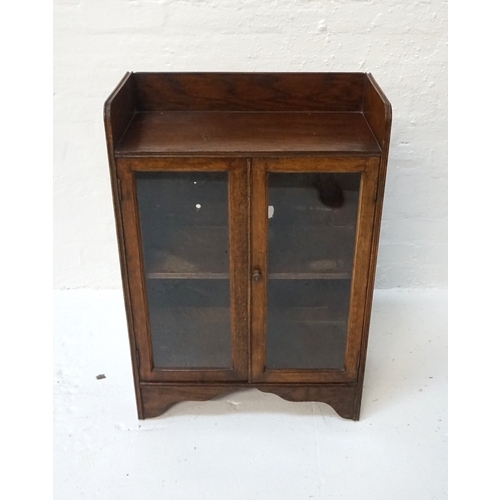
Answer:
x=247 y=114
x=219 y=132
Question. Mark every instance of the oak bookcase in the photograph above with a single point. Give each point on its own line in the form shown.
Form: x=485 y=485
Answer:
x=248 y=209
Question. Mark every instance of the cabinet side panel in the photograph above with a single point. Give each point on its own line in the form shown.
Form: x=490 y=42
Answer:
x=378 y=113
x=118 y=111
x=249 y=91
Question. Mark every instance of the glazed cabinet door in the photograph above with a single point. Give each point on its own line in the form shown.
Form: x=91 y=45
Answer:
x=185 y=224
x=311 y=222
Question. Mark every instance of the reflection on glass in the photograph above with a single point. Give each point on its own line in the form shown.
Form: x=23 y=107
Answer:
x=185 y=242
x=311 y=234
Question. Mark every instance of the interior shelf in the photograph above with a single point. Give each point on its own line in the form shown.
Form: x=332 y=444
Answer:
x=304 y=252
x=300 y=253
x=190 y=252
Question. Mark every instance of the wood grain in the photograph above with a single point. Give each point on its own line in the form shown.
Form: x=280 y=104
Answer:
x=377 y=111
x=143 y=356
x=258 y=263
x=238 y=266
x=119 y=109
x=176 y=164
x=157 y=399
x=364 y=235
x=249 y=91
x=202 y=133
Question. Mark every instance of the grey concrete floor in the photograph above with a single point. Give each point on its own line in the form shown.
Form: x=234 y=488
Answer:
x=251 y=445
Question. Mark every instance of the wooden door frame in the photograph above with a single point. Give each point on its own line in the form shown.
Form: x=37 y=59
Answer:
x=238 y=263
x=356 y=329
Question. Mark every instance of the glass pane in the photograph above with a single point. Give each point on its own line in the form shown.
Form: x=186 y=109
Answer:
x=185 y=242
x=311 y=234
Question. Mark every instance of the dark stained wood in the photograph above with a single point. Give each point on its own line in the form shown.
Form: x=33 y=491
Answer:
x=341 y=398
x=175 y=164
x=364 y=235
x=143 y=356
x=258 y=238
x=377 y=111
x=240 y=133
x=157 y=399
x=383 y=132
x=248 y=125
x=238 y=266
x=249 y=261
x=249 y=91
x=118 y=111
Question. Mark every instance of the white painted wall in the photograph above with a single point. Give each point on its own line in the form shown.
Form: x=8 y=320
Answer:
x=402 y=42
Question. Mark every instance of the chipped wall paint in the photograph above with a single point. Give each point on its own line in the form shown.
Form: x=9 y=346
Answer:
x=402 y=43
